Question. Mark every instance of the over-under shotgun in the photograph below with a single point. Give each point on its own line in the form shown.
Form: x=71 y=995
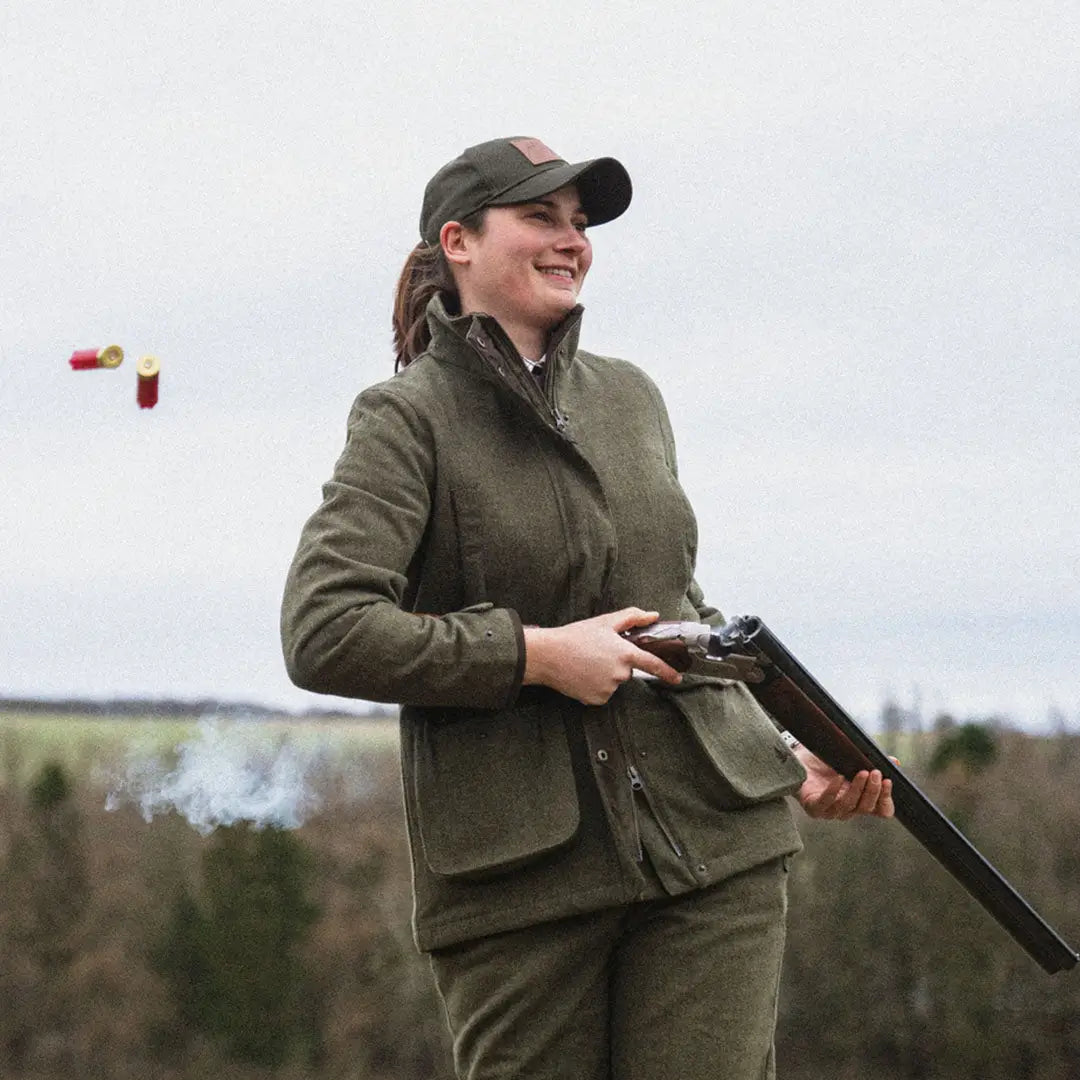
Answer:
x=744 y=648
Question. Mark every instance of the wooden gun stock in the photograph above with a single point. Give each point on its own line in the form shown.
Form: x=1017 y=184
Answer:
x=794 y=698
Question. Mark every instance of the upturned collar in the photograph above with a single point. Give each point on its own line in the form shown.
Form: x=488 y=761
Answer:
x=461 y=337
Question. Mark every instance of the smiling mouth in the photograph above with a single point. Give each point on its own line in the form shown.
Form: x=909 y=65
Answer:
x=557 y=272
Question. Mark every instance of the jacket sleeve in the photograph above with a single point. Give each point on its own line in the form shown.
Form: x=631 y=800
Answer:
x=343 y=628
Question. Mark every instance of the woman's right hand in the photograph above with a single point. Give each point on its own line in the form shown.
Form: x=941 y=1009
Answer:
x=587 y=660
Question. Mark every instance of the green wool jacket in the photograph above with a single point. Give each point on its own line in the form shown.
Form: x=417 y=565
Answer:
x=468 y=501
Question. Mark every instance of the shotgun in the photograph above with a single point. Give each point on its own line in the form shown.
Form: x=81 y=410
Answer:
x=746 y=649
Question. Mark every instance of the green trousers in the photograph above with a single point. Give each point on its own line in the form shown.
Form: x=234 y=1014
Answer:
x=676 y=987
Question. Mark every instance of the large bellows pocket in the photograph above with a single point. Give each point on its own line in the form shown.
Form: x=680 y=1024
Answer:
x=491 y=790
x=739 y=738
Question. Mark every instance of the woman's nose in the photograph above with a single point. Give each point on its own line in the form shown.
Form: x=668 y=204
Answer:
x=572 y=239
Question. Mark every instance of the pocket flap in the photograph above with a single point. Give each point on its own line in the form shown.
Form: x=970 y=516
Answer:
x=740 y=739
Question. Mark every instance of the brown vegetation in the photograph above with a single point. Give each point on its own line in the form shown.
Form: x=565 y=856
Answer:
x=892 y=971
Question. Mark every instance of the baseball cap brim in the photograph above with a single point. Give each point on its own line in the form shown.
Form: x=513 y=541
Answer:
x=603 y=186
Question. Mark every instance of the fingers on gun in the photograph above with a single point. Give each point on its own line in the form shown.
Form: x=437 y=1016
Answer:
x=628 y=618
x=870 y=793
x=649 y=662
x=837 y=801
x=885 y=807
x=830 y=803
x=868 y=798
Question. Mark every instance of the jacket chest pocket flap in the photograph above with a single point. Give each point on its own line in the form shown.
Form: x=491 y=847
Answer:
x=493 y=791
x=741 y=741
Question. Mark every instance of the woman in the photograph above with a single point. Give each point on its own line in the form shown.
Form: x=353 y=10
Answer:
x=599 y=860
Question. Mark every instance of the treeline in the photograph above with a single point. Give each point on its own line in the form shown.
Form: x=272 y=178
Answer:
x=133 y=949
x=893 y=970
x=171 y=708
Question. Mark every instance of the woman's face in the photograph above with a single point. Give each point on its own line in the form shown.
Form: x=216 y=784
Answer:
x=526 y=266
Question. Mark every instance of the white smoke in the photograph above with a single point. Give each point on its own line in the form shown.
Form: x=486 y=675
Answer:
x=226 y=773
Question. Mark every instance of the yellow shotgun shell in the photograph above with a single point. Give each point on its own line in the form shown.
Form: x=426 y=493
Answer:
x=111 y=356
x=149 y=366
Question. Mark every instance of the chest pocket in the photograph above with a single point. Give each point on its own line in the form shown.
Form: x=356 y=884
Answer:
x=739 y=739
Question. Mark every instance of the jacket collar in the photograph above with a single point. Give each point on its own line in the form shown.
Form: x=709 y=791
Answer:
x=479 y=338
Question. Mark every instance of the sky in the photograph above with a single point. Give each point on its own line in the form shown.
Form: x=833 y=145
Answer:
x=850 y=264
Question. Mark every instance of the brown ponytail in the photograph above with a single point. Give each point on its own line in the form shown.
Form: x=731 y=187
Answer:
x=425 y=273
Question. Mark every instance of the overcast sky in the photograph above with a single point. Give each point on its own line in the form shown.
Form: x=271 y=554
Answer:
x=851 y=264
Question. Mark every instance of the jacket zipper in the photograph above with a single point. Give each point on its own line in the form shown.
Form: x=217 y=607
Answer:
x=557 y=414
x=637 y=784
x=633 y=773
x=561 y=419
x=637 y=787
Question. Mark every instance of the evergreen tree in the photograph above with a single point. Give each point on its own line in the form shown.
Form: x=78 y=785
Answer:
x=233 y=961
x=44 y=897
x=59 y=889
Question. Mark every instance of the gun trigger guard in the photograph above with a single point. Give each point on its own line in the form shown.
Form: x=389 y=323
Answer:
x=748 y=667
x=733 y=666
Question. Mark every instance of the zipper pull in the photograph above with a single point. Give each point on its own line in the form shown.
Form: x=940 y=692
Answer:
x=636 y=785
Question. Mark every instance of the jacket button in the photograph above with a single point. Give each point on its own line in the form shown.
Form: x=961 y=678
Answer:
x=601 y=755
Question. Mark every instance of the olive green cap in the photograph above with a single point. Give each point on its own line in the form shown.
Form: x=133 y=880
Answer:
x=505 y=171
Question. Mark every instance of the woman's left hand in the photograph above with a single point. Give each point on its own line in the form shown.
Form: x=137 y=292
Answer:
x=826 y=794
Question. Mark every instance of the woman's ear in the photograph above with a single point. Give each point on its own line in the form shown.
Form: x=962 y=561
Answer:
x=454 y=241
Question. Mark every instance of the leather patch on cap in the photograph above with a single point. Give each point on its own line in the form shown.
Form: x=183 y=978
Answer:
x=535 y=151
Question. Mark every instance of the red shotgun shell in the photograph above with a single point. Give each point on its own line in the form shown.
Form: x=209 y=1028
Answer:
x=147 y=390
x=85 y=359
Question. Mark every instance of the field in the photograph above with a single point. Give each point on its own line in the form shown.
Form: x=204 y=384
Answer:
x=145 y=928
x=88 y=743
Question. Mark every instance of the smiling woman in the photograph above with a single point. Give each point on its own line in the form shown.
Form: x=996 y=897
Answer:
x=599 y=860
x=530 y=215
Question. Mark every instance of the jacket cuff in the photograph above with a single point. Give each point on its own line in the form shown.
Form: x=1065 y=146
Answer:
x=519 y=670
